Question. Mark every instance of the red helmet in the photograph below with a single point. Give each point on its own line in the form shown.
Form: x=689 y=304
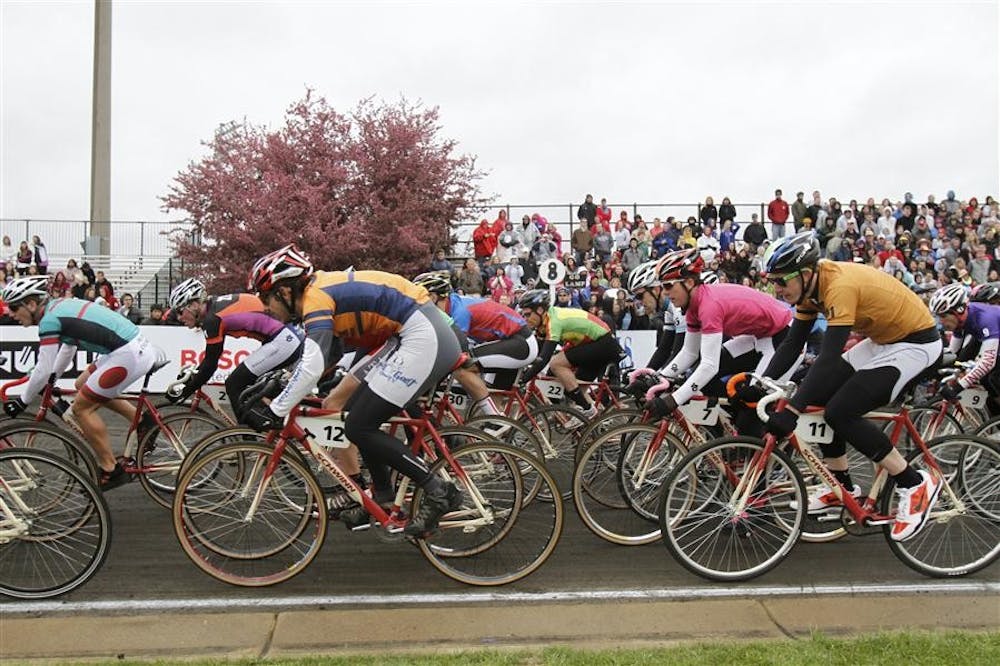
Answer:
x=681 y=264
x=287 y=263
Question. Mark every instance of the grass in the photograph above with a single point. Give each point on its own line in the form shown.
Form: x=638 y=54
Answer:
x=909 y=649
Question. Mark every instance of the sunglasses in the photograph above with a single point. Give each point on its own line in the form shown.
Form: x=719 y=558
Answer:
x=782 y=280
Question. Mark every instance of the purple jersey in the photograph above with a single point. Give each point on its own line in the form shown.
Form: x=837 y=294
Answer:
x=982 y=323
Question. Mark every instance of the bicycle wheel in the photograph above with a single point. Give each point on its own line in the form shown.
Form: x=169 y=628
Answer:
x=495 y=538
x=512 y=433
x=962 y=534
x=558 y=429
x=605 y=422
x=717 y=529
x=216 y=440
x=163 y=449
x=58 y=530
x=990 y=429
x=599 y=489
x=52 y=438
x=250 y=532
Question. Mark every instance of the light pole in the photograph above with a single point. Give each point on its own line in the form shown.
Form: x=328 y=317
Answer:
x=100 y=147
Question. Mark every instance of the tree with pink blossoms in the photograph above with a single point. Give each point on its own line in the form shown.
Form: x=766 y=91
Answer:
x=379 y=188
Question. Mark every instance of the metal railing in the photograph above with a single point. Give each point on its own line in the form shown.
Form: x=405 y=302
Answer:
x=563 y=216
x=134 y=238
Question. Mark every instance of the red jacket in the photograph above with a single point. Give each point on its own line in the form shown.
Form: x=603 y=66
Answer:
x=604 y=215
x=484 y=240
x=777 y=211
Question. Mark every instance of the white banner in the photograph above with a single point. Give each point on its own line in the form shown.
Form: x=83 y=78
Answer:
x=183 y=346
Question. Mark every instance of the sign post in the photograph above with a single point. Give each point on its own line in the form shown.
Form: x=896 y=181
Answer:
x=552 y=272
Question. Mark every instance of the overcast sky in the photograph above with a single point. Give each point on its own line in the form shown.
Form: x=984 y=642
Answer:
x=645 y=102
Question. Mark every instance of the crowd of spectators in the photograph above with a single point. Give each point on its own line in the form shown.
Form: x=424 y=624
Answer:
x=922 y=244
x=76 y=280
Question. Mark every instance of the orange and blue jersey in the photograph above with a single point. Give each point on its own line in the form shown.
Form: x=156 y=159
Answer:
x=483 y=319
x=84 y=324
x=238 y=316
x=362 y=308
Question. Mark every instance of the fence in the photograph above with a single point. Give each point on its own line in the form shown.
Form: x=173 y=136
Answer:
x=563 y=216
x=134 y=238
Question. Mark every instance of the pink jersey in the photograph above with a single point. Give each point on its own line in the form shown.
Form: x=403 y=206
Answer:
x=733 y=309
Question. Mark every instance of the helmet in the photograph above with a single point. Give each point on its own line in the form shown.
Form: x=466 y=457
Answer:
x=709 y=277
x=792 y=253
x=643 y=276
x=986 y=293
x=949 y=299
x=681 y=264
x=534 y=298
x=186 y=292
x=283 y=264
x=436 y=282
x=24 y=287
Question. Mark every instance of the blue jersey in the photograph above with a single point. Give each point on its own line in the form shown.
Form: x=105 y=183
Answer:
x=84 y=324
x=982 y=322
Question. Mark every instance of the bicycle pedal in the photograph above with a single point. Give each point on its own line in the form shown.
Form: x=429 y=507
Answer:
x=390 y=534
x=854 y=528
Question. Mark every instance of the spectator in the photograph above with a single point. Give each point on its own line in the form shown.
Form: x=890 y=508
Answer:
x=100 y=281
x=556 y=238
x=604 y=244
x=40 y=254
x=581 y=242
x=24 y=259
x=508 y=242
x=60 y=286
x=484 y=242
x=708 y=213
x=777 y=213
x=633 y=256
x=80 y=286
x=641 y=234
x=7 y=251
x=88 y=272
x=155 y=317
x=604 y=213
x=106 y=292
x=128 y=309
x=727 y=237
x=501 y=286
x=623 y=217
x=529 y=234
x=727 y=211
x=587 y=211
x=708 y=244
x=438 y=263
x=979 y=267
x=470 y=278
x=543 y=249
x=799 y=210
x=515 y=272
x=72 y=270
x=755 y=233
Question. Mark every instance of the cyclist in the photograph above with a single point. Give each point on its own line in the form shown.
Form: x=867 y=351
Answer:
x=901 y=342
x=502 y=341
x=63 y=326
x=232 y=315
x=644 y=283
x=367 y=310
x=754 y=323
x=588 y=345
x=980 y=321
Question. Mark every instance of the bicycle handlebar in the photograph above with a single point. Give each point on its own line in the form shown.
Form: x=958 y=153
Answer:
x=175 y=387
x=11 y=384
x=777 y=390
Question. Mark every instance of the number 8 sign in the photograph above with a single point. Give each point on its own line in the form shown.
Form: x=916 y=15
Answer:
x=552 y=271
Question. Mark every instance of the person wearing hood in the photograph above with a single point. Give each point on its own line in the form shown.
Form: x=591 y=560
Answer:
x=508 y=242
x=515 y=271
x=529 y=234
x=951 y=204
x=484 y=241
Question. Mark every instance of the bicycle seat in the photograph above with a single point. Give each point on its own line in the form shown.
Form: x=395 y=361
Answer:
x=161 y=362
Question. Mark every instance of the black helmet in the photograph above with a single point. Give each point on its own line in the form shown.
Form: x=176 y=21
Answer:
x=792 y=253
x=534 y=298
x=986 y=293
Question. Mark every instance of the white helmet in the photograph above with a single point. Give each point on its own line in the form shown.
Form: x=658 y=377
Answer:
x=190 y=290
x=644 y=276
x=950 y=298
x=23 y=287
x=709 y=277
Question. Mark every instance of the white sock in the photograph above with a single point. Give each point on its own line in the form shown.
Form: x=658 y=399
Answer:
x=488 y=406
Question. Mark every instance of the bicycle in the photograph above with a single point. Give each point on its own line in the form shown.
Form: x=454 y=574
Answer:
x=734 y=508
x=263 y=521
x=55 y=527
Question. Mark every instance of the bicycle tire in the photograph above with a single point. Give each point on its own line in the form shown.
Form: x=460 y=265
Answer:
x=753 y=542
x=558 y=429
x=159 y=466
x=291 y=535
x=78 y=527
x=604 y=422
x=457 y=437
x=947 y=534
x=492 y=554
x=59 y=441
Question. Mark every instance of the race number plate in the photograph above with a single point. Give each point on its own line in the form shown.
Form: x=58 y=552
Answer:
x=327 y=431
x=700 y=412
x=813 y=429
x=550 y=388
x=974 y=398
